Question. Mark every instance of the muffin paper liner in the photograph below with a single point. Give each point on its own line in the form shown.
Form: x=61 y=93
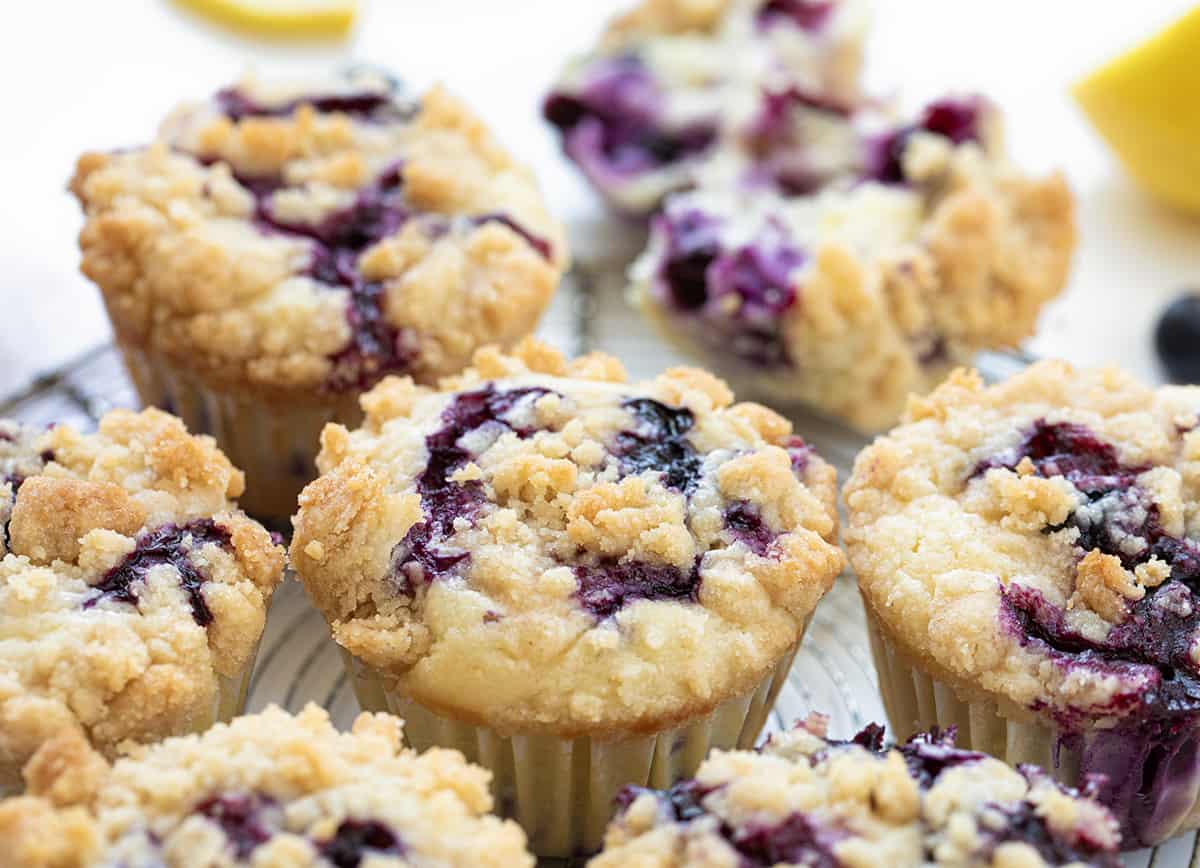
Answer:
x=561 y=790
x=274 y=442
x=1148 y=813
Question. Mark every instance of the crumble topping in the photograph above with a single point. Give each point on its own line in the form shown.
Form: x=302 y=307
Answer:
x=292 y=236
x=268 y=789
x=805 y=799
x=129 y=582
x=542 y=544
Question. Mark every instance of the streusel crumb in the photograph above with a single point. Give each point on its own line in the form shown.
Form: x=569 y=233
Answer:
x=130 y=582
x=805 y=799
x=540 y=544
x=269 y=790
x=284 y=237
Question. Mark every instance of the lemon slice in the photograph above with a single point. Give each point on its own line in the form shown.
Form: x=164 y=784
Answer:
x=303 y=19
x=1146 y=103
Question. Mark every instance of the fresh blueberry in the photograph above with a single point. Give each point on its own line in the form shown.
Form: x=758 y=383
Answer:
x=1177 y=339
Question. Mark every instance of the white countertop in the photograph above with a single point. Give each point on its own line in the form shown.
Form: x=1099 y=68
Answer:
x=98 y=75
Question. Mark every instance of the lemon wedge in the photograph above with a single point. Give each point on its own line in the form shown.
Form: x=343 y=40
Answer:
x=291 y=19
x=1146 y=104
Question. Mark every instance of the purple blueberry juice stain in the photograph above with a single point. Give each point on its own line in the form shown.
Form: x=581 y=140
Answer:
x=1150 y=760
x=607 y=587
x=957 y=120
x=810 y=15
x=354 y=840
x=423 y=555
x=740 y=294
x=692 y=243
x=659 y=443
x=539 y=244
x=798 y=839
x=744 y=520
x=248 y=820
x=613 y=124
x=800 y=454
x=167 y=545
x=362 y=105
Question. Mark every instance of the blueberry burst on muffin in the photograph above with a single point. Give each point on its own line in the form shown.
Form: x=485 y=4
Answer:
x=807 y=800
x=1030 y=551
x=133 y=591
x=267 y=790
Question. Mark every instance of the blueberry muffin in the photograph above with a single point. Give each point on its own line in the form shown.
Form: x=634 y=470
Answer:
x=676 y=85
x=577 y=581
x=929 y=247
x=808 y=800
x=133 y=591
x=282 y=246
x=269 y=790
x=1029 y=561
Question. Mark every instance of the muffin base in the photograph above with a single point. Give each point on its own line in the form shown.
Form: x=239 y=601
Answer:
x=274 y=442
x=915 y=701
x=561 y=790
x=228 y=703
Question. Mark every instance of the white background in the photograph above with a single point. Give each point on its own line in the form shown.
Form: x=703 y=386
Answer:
x=86 y=74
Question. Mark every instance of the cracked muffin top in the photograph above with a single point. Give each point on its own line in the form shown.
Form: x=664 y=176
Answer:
x=541 y=544
x=807 y=800
x=675 y=85
x=930 y=246
x=129 y=581
x=299 y=236
x=1036 y=540
x=269 y=790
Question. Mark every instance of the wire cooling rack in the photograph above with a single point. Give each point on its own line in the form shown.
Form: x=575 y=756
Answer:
x=298 y=662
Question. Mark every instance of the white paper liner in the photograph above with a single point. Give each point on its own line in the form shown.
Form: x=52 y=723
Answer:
x=561 y=790
x=275 y=443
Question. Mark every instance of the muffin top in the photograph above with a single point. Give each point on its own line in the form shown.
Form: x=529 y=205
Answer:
x=129 y=581
x=806 y=800
x=542 y=545
x=268 y=789
x=676 y=84
x=927 y=247
x=1035 y=541
x=316 y=236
